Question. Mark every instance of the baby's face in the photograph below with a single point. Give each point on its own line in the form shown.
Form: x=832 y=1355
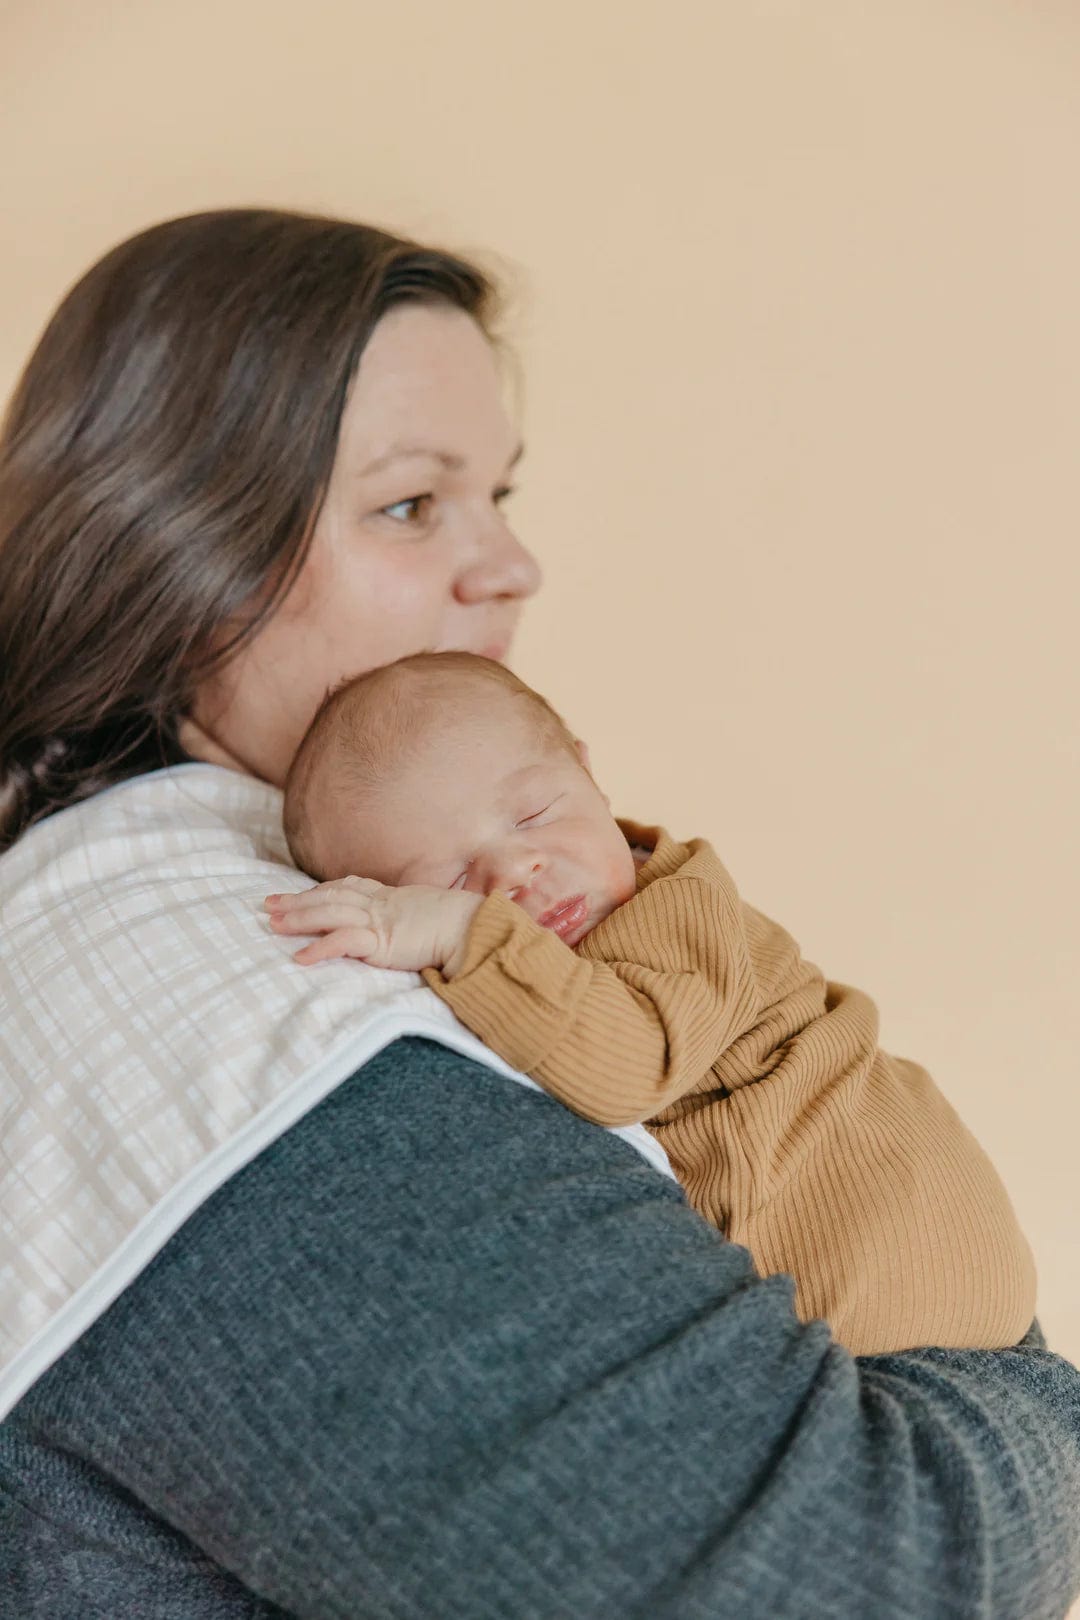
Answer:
x=492 y=806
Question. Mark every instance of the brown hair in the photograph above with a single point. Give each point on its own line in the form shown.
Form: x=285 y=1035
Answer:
x=162 y=464
x=361 y=728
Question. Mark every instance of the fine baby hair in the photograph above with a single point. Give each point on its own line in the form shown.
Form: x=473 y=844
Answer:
x=366 y=728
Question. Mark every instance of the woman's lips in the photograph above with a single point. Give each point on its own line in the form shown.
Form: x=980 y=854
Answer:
x=567 y=917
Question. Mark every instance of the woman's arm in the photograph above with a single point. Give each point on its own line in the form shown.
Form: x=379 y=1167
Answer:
x=791 y=1129
x=446 y=1352
x=827 y=1158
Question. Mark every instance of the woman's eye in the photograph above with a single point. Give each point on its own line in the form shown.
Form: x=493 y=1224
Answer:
x=504 y=494
x=407 y=511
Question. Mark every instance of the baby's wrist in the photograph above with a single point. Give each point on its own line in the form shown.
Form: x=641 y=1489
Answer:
x=460 y=910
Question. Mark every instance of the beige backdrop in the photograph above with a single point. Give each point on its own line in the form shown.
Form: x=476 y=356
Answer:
x=797 y=290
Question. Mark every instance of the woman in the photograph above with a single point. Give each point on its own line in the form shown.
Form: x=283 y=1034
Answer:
x=440 y=1348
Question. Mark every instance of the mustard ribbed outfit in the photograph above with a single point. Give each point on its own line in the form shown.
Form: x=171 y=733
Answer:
x=788 y=1127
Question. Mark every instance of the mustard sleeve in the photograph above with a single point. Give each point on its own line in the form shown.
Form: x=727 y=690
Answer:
x=615 y=1039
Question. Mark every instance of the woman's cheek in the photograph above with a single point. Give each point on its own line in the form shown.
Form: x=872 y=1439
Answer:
x=391 y=606
x=414 y=588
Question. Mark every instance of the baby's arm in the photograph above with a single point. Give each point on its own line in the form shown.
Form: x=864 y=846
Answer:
x=617 y=1039
x=628 y=1023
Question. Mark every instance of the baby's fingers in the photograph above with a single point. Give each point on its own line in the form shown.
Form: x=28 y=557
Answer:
x=284 y=902
x=357 y=942
x=350 y=888
x=318 y=916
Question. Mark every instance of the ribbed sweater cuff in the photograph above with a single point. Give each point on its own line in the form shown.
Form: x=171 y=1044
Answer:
x=519 y=986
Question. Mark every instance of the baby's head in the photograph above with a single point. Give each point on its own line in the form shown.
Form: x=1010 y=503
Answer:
x=445 y=769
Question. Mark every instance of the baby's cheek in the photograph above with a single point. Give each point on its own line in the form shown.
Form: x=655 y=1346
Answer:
x=427 y=877
x=623 y=882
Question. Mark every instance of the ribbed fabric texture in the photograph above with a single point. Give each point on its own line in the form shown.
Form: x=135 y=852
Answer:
x=445 y=1352
x=787 y=1125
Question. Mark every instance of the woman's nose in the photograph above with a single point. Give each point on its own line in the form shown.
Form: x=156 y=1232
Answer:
x=499 y=566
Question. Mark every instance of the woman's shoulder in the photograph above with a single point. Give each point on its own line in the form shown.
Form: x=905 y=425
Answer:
x=155 y=1032
x=163 y=816
x=149 y=1021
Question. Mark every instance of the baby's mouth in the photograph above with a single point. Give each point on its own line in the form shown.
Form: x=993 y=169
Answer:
x=567 y=918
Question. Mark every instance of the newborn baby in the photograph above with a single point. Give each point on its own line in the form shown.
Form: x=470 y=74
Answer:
x=456 y=829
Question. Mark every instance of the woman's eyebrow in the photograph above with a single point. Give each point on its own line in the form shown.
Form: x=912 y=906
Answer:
x=406 y=452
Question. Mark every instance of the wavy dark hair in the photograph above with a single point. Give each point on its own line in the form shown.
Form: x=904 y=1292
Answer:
x=163 y=461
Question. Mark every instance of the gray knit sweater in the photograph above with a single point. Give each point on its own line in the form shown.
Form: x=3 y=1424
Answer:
x=447 y=1352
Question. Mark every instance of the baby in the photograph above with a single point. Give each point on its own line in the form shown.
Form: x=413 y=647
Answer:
x=457 y=830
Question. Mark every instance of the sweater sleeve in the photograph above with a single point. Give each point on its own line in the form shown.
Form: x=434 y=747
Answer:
x=445 y=1351
x=636 y=1018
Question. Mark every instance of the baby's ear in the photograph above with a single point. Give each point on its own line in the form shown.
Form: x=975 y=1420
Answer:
x=583 y=756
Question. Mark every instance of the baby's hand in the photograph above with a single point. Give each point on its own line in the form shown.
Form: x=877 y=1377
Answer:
x=410 y=927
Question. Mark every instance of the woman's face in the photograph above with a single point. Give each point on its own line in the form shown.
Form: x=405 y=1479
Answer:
x=411 y=552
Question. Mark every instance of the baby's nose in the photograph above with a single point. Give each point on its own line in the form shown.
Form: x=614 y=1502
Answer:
x=516 y=877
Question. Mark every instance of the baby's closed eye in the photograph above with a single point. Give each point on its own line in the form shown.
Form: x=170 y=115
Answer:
x=528 y=820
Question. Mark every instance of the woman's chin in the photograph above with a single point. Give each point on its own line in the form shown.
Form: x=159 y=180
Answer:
x=497 y=651
x=497 y=648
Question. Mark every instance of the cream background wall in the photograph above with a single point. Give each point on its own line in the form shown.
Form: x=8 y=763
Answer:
x=795 y=288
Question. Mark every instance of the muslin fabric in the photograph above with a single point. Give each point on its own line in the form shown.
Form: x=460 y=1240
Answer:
x=155 y=1036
